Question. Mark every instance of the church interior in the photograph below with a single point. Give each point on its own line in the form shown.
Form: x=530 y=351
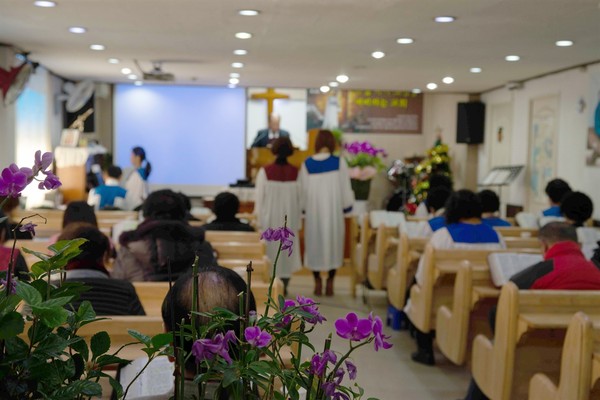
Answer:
x=500 y=95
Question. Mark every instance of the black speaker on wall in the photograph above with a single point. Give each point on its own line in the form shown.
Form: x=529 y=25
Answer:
x=470 y=123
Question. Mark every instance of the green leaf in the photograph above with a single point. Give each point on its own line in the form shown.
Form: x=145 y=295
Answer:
x=109 y=359
x=52 y=317
x=9 y=304
x=12 y=324
x=76 y=388
x=100 y=344
x=140 y=337
x=40 y=268
x=162 y=339
x=28 y=293
x=116 y=385
x=230 y=376
x=85 y=312
x=51 y=346
x=81 y=347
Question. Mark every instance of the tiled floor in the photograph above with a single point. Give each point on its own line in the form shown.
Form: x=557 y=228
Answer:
x=387 y=374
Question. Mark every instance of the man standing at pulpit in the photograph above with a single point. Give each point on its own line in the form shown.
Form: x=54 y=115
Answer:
x=265 y=137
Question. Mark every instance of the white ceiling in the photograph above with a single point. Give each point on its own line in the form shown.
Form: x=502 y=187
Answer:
x=306 y=43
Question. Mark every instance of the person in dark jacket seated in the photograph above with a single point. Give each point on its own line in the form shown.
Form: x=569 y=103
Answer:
x=556 y=189
x=564 y=268
x=163 y=239
x=490 y=206
x=108 y=296
x=225 y=207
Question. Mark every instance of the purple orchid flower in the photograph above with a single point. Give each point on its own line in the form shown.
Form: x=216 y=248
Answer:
x=329 y=388
x=14 y=180
x=340 y=396
x=353 y=328
x=28 y=227
x=257 y=338
x=308 y=305
x=318 y=363
x=339 y=376
x=283 y=234
x=380 y=338
x=351 y=369
x=42 y=162
x=50 y=182
x=207 y=349
x=13 y=285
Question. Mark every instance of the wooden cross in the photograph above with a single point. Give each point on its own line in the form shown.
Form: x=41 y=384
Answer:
x=270 y=95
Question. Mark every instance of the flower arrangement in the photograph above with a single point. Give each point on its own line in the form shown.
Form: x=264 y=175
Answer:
x=364 y=160
x=437 y=161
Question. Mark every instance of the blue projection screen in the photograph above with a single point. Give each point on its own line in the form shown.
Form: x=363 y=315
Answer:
x=193 y=136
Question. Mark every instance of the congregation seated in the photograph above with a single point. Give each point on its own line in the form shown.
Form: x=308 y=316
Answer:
x=76 y=211
x=464 y=230
x=556 y=189
x=436 y=200
x=437 y=180
x=19 y=265
x=163 y=239
x=225 y=207
x=564 y=268
x=109 y=195
x=577 y=208
x=490 y=207
x=108 y=296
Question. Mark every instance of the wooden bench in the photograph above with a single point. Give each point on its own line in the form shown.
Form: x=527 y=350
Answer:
x=530 y=331
x=516 y=231
x=400 y=276
x=521 y=243
x=364 y=247
x=232 y=236
x=579 y=366
x=383 y=257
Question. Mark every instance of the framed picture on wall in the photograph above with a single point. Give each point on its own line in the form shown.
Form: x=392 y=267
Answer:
x=69 y=137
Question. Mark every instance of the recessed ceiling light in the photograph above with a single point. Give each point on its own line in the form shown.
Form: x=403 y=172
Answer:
x=249 y=13
x=512 y=58
x=405 y=40
x=234 y=81
x=243 y=35
x=431 y=86
x=97 y=47
x=234 y=75
x=342 y=78
x=444 y=19
x=77 y=29
x=333 y=84
x=448 y=80
x=113 y=61
x=133 y=77
x=416 y=91
x=564 y=43
x=378 y=54
x=324 y=89
x=138 y=83
x=125 y=71
x=476 y=70
x=237 y=65
x=240 y=52
x=46 y=4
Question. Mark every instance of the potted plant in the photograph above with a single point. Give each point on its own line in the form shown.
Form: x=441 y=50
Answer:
x=364 y=161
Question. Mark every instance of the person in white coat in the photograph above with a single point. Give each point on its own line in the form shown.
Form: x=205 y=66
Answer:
x=136 y=182
x=327 y=195
x=277 y=196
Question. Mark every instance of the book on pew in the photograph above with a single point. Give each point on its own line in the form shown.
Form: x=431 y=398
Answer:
x=157 y=379
x=505 y=265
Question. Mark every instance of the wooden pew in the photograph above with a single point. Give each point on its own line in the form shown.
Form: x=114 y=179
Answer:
x=580 y=350
x=243 y=252
x=400 y=276
x=232 y=236
x=516 y=231
x=530 y=331
x=521 y=243
x=364 y=246
x=262 y=268
x=383 y=257
x=354 y=232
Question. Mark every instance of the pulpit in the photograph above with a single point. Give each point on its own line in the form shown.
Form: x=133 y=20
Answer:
x=72 y=165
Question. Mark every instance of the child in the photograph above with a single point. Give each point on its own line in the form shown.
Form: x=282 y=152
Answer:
x=110 y=195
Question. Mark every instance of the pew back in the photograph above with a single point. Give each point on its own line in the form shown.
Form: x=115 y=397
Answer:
x=400 y=276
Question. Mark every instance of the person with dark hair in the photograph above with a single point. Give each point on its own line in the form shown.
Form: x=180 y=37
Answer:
x=564 y=268
x=464 y=230
x=490 y=207
x=265 y=137
x=19 y=265
x=136 y=182
x=109 y=195
x=277 y=196
x=577 y=208
x=163 y=239
x=327 y=195
x=225 y=207
x=107 y=296
x=556 y=189
x=79 y=211
x=188 y=207
x=436 y=202
x=437 y=180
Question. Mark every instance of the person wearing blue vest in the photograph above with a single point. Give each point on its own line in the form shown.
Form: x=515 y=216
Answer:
x=556 y=189
x=490 y=206
x=104 y=196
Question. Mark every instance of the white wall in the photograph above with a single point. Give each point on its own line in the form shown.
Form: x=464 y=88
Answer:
x=571 y=86
x=7 y=115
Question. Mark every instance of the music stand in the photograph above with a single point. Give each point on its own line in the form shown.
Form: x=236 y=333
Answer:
x=501 y=176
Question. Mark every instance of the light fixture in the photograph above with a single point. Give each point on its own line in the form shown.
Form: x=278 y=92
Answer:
x=342 y=78
x=475 y=70
x=564 y=43
x=324 y=89
x=97 y=47
x=405 y=40
x=133 y=77
x=240 y=52
x=416 y=91
x=231 y=86
x=138 y=83
x=333 y=84
x=234 y=81
x=243 y=35
x=249 y=13
x=431 y=86
x=512 y=58
x=234 y=75
x=444 y=19
x=448 y=80
x=77 y=29
x=45 y=4
x=113 y=61
x=378 y=54
x=237 y=65
x=125 y=71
